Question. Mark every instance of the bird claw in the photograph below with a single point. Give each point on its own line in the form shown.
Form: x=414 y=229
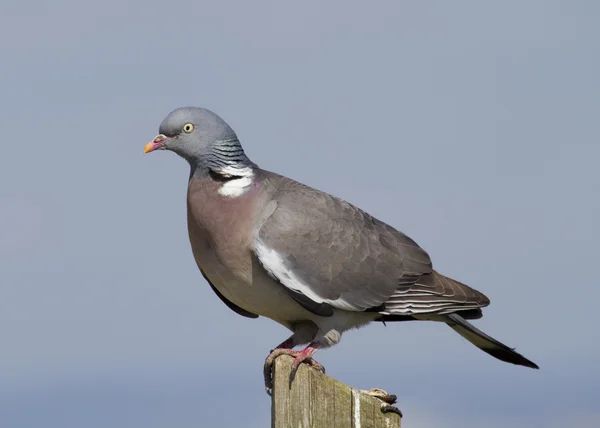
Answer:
x=387 y=400
x=307 y=360
x=299 y=357
x=268 y=367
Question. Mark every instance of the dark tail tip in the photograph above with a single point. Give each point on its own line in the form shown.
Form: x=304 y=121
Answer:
x=510 y=356
x=486 y=343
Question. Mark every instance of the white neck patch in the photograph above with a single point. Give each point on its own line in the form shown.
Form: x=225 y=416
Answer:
x=238 y=186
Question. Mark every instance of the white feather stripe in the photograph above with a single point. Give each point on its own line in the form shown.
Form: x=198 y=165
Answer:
x=408 y=295
x=428 y=304
x=236 y=187
x=416 y=289
x=422 y=310
x=274 y=264
x=419 y=301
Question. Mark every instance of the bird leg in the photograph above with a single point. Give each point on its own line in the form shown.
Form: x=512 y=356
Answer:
x=304 y=356
x=387 y=400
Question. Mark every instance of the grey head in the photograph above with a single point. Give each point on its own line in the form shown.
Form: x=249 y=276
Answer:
x=202 y=138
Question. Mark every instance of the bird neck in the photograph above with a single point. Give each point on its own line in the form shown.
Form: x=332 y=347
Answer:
x=225 y=158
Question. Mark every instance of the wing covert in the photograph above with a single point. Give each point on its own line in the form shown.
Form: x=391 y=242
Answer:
x=334 y=253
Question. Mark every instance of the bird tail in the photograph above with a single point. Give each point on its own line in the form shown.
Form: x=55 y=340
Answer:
x=486 y=343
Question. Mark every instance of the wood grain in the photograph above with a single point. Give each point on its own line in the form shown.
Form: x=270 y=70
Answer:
x=315 y=400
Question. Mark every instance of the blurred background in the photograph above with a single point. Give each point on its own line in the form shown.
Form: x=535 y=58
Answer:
x=472 y=127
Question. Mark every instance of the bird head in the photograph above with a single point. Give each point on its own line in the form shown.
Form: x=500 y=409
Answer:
x=191 y=132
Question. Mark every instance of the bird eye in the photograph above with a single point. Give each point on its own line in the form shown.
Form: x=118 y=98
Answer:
x=188 y=127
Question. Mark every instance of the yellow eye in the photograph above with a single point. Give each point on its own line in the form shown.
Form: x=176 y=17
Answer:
x=188 y=127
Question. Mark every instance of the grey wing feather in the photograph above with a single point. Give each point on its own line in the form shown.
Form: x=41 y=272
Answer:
x=434 y=293
x=332 y=252
x=321 y=309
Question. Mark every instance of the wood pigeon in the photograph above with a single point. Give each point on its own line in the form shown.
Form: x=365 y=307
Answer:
x=271 y=246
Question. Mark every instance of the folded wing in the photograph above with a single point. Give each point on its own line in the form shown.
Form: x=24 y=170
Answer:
x=329 y=254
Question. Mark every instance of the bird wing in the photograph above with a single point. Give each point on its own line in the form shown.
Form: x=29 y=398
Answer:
x=329 y=254
x=435 y=293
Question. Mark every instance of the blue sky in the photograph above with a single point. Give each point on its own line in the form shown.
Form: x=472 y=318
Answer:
x=472 y=127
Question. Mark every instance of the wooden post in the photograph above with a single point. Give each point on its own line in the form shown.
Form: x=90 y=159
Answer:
x=315 y=400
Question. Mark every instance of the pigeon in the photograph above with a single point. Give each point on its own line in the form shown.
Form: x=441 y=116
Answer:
x=271 y=246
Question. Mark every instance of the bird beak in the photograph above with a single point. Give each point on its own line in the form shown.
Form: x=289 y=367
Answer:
x=157 y=144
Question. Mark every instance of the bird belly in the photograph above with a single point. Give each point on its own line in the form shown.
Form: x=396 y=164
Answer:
x=255 y=292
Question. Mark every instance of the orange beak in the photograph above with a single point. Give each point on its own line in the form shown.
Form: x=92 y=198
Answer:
x=156 y=144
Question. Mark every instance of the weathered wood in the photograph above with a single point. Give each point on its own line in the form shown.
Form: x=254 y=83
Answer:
x=315 y=400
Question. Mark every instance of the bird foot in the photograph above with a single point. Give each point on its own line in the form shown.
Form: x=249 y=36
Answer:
x=268 y=367
x=387 y=400
x=304 y=356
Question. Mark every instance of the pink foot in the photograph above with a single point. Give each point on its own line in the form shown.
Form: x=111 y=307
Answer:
x=281 y=349
x=304 y=356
